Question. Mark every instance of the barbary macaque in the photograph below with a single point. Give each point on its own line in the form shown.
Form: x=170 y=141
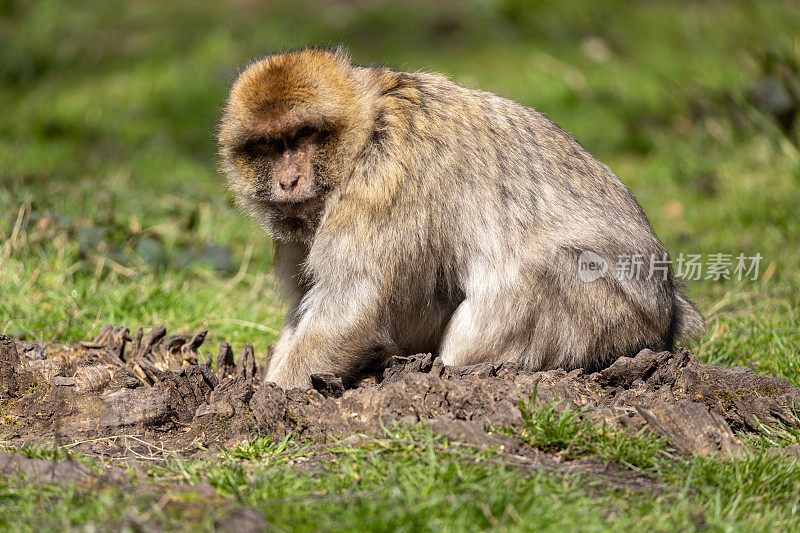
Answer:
x=410 y=214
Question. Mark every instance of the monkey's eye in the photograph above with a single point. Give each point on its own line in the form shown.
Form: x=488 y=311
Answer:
x=263 y=145
x=303 y=132
x=268 y=142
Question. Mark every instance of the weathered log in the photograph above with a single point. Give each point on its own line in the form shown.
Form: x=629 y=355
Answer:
x=142 y=407
x=92 y=378
x=160 y=386
x=189 y=350
x=328 y=385
x=225 y=364
x=692 y=428
x=246 y=367
x=9 y=366
x=151 y=339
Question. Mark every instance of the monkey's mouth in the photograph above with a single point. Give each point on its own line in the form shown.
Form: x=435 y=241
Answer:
x=295 y=204
x=297 y=207
x=299 y=215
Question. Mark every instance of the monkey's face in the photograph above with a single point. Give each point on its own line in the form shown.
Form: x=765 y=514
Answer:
x=278 y=168
x=284 y=165
x=281 y=137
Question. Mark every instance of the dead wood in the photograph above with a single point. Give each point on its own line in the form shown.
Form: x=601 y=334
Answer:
x=157 y=388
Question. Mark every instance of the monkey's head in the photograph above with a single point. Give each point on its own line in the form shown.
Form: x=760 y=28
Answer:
x=286 y=134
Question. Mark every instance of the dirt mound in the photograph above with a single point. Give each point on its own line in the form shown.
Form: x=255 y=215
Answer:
x=152 y=387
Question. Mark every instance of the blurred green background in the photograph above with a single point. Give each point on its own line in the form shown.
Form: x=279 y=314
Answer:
x=112 y=210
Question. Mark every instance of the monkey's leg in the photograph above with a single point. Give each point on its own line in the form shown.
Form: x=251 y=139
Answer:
x=554 y=320
x=491 y=324
x=289 y=257
x=281 y=346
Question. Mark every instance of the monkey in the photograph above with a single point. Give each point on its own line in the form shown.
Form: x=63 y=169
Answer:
x=410 y=214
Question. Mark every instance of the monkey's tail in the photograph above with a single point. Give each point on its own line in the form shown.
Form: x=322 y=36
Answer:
x=688 y=323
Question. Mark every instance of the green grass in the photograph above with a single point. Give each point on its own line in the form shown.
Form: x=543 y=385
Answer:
x=559 y=429
x=111 y=210
x=258 y=449
x=412 y=480
x=107 y=165
x=774 y=435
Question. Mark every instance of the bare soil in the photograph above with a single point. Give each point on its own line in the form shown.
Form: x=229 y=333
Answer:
x=123 y=396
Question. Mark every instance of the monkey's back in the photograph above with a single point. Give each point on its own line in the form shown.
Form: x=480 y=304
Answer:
x=501 y=168
x=505 y=198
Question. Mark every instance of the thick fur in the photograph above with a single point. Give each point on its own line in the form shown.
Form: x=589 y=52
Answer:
x=448 y=220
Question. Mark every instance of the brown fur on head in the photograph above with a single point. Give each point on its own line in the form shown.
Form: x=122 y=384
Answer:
x=287 y=125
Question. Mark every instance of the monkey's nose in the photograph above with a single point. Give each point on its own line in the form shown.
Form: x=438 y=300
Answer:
x=288 y=183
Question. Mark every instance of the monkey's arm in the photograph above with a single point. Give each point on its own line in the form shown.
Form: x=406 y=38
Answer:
x=336 y=330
